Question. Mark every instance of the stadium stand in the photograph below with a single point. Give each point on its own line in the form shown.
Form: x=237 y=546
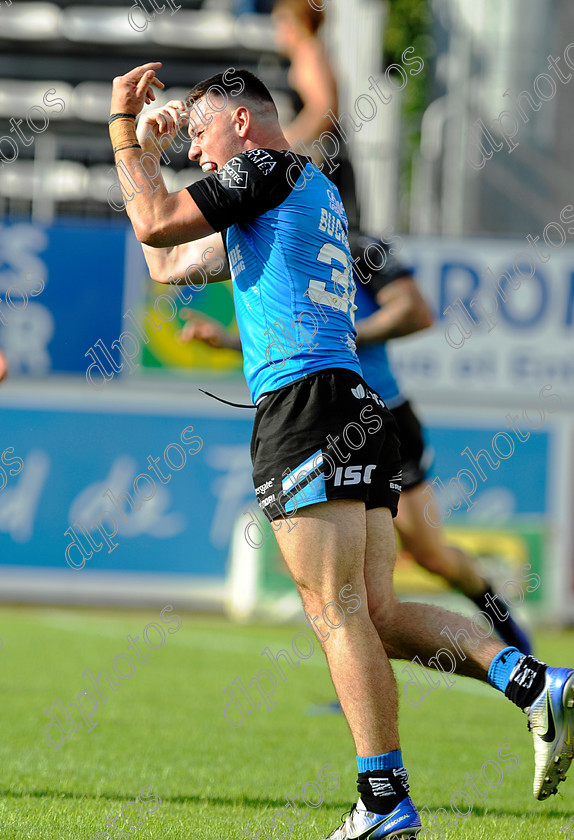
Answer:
x=76 y=50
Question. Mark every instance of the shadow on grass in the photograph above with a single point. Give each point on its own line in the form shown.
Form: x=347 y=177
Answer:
x=227 y=801
x=256 y=803
x=482 y=811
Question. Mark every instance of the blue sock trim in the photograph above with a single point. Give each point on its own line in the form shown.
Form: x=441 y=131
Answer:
x=502 y=667
x=387 y=761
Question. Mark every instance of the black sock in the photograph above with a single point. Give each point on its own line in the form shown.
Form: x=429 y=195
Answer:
x=526 y=681
x=382 y=790
x=498 y=613
x=500 y=616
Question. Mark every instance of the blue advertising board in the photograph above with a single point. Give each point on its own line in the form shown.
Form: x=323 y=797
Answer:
x=61 y=289
x=169 y=486
x=502 y=477
x=499 y=334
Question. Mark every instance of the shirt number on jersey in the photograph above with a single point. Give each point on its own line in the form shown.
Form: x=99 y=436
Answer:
x=342 y=296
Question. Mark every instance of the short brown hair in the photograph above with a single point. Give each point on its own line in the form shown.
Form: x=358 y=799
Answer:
x=250 y=87
x=311 y=17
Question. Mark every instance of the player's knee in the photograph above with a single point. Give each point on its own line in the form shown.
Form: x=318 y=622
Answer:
x=316 y=591
x=382 y=612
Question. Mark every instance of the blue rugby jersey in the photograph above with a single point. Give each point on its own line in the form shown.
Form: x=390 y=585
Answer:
x=285 y=231
x=374 y=360
x=373 y=357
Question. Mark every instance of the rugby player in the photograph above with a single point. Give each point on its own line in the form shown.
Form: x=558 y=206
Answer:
x=269 y=203
x=390 y=306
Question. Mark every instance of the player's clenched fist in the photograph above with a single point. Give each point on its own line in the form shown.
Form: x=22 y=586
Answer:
x=203 y=328
x=133 y=90
x=162 y=122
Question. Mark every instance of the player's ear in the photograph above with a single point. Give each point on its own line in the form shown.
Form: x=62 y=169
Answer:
x=242 y=120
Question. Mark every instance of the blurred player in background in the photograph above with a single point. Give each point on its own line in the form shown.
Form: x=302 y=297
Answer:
x=389 y=306
x=314 y=91
x=3 y=367
x=267 y=203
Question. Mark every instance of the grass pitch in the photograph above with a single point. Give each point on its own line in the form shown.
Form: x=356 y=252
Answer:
x=164 y=728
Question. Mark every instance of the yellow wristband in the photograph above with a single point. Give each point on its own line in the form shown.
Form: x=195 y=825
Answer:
x=123 y=132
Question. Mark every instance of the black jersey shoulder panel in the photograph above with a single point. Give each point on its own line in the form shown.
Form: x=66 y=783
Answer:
x=249 y=185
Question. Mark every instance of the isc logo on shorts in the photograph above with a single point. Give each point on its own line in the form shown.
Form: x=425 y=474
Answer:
x=353 y=475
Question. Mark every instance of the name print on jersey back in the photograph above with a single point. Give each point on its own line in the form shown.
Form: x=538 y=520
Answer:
x=334 y=220
x=290 y=340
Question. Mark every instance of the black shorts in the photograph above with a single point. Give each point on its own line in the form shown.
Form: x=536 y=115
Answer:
x=325 y=436
x=416 y=456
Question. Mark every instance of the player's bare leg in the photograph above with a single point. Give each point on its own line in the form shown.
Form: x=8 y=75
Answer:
x=413 y=629
x=324 y=552
x=426 y=545
x=546 y=694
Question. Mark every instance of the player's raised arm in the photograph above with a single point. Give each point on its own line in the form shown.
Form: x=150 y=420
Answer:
x=160 y=219
x=185 y=263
